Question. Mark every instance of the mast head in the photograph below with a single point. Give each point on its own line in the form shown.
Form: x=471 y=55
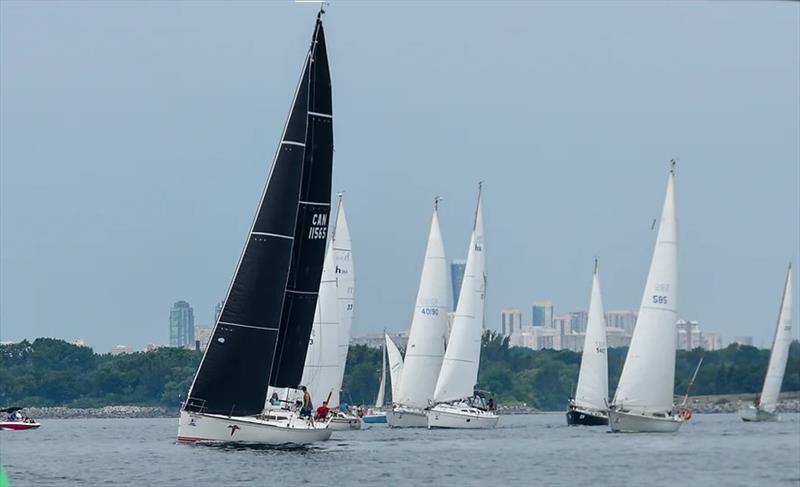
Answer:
x=595 y=264
x=436 y=200
x=672 y=163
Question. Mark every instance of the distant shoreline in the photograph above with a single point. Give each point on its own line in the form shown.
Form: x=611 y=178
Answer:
x=724 y=403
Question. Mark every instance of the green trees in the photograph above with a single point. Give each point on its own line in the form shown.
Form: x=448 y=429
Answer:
x=49 y=372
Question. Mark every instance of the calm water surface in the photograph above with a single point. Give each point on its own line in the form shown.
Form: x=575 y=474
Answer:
x=523 y=450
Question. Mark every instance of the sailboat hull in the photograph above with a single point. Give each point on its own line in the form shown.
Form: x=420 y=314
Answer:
x=458 y=416
x=586 y=418
x=345 y=423
x=278 y=430
x=627 y=422
x=375 y=418
x=754 y=414
x=407 y=418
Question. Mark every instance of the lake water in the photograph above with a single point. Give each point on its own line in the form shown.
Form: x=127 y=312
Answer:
x=524 y=450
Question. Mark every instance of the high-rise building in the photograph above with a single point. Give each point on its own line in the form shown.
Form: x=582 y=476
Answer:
x=457 y=269
x=623 y=319
x=542 y=312
x=578 y=321
x=689 y=335
x=202 y=334
x=181 y=325
x=510 y=321
x=712 y=341
x=217 y=312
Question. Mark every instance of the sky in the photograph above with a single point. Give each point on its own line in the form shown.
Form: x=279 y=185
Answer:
x=135 y=139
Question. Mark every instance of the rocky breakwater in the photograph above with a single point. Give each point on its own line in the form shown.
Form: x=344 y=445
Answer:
x=104 y=412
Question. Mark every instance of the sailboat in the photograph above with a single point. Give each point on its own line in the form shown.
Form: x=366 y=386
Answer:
x=764 y=408
x=261 y=337
x=589 y=406
x=643 y=401
x=426 y=339
x=375 y=414
x=456 y=403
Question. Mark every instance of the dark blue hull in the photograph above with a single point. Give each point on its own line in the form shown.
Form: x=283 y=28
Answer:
x=576 y=417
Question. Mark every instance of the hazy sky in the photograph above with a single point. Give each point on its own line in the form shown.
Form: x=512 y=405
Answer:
x=135 y=139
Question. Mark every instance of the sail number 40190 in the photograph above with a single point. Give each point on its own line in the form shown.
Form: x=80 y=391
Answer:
x=430 y=311
x=659 y=299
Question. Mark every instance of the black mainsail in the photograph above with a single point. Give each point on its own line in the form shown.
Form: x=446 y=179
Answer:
x=262 y=333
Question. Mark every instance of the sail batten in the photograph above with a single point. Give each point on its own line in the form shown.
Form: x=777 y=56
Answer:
x=256 y=327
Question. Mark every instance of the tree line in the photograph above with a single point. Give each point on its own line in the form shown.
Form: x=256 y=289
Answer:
x=51 y=372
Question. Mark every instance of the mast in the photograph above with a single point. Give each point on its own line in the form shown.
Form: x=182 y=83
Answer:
x=257 y=334
x=780 y=349
x=647 y=381
x=459 y=372
x=429 y=324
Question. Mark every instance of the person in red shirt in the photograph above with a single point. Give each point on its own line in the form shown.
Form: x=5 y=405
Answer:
x=322 y=411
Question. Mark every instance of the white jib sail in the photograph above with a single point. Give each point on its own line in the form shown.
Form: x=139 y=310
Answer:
x=780 y=349
x=428 y=326
x=395 y=366
x=592 y=390
x=321 y=369
x=345 y=277
x=459 y=372
x=382 y=388
x=648 y=377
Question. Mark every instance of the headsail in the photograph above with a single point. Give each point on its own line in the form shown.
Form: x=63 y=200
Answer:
x=265 y=322
x=395 y=366
x=425 y=348
x=345 y=276
x=780 y=349
x=459 y=372
x=321 y=369
x=592 y=390
x=382 y=388
x=648 y=377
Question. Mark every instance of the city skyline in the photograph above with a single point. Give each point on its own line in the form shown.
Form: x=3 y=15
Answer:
x=145 y=156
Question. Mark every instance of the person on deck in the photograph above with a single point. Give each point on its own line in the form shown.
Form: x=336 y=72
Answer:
x=322 y=411
x=275 y=400
x=305 y=411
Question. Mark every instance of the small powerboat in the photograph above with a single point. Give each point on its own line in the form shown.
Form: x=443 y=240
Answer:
x=17 y=420
x=374 y=417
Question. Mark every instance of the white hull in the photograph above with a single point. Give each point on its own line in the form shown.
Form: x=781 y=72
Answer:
x=638 y=423
x=461 y=416
x=407 y=418
x=345 y=423
x=277 y=430
x=752 y=413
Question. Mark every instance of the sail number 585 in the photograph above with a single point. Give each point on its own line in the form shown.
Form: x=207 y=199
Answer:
x=659 y=299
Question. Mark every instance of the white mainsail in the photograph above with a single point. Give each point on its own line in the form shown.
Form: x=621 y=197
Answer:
x=780 y=350
x=382 y=388
x=395 y=366
x=592 y=390
x=345 y=277
x=321 y=369
x=428 y=326
x=459 y=372
x=648 y=377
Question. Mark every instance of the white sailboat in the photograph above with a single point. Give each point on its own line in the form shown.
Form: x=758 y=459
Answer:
x=395 y=365
x=456 y=404
x=376 y=413
x=643 y=401
x=589 y=406
x=427 y=336
x=764 y=408
x=260 y=339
